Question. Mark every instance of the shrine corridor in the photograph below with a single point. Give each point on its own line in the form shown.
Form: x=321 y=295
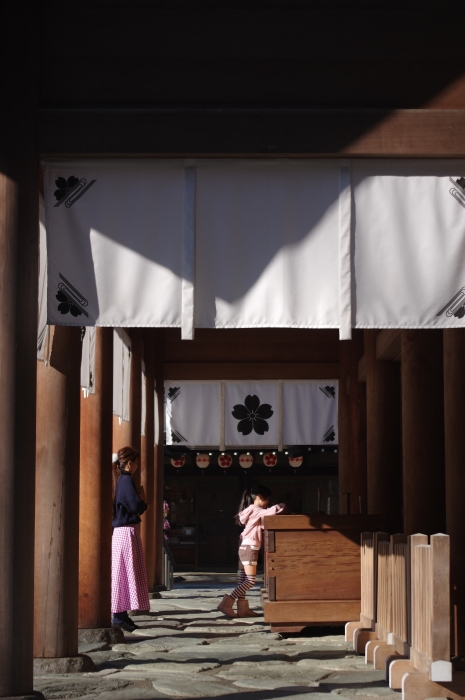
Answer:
x=185 y=648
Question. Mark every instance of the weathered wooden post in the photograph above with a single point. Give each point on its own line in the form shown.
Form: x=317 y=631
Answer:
x=95 y=503
x=423 y=432
x=57 y=507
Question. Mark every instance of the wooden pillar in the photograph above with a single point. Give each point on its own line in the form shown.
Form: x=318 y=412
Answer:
x=358 y=472
x=423 y=432
x=352 y=427
x=95 y=506
x=147 y=461
x=454 y=419
x=384 y=436
x=57 y=506
x=159 y=457
x=19 y=214
x=136 y=392
x=344 y=447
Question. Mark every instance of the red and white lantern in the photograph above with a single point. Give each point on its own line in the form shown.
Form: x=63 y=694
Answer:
x=202 y=460
x=245 y=460
x=224 y=460
x=178 y=462
x=295 y=461
x=270 y=459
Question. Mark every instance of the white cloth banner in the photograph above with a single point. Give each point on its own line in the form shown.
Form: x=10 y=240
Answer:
x=409 y=248
x=88 y=361
x=114 y=242
x=267 y=241
x=121 y=373
x=42 y=321
x=156 y=418
x=193 y=413
x=310 y=412
x=251 y=414
x=144 y=401
x=214 y=243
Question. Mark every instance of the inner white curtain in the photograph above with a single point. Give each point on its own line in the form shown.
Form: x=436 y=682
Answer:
x=231 y=414
x=310 y=411
x=193 y=413
x=256 y=243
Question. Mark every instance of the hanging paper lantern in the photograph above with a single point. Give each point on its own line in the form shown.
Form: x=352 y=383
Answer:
x=246 y=460
x=295 y=460
x=224 y=460
x=270 y=459
x=202 y=460
x=178 y=461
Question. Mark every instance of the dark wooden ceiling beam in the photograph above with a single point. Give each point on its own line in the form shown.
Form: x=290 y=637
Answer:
x=251 y=370
x=438 y=133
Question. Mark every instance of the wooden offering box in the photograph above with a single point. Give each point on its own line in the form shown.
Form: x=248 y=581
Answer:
x=312 y=569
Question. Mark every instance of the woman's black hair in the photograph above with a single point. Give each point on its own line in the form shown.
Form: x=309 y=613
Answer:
x=249 y=496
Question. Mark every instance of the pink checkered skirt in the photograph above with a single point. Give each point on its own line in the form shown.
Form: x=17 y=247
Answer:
x=129 y=589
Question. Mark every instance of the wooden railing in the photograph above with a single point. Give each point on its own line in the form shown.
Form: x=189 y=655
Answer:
x=410 y=625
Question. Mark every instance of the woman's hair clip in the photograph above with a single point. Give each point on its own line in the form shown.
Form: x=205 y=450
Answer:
x=114 y=458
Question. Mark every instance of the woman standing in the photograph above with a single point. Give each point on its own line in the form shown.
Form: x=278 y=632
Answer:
x=129 y=589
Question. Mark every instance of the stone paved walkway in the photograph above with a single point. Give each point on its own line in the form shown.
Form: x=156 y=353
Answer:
x=187 y=649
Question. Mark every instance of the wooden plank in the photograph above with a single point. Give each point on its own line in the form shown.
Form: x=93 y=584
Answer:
x=250 y=131
x=417 y=686
x=323 y=522
x=350 y=629
x=271 y=588
x=380 y=654
x=314 y=612
x=440 y=619
x=397 y=669
x=362 y=369
x=361 y=638
x=388 y=345
x=326 y=564
x=270 y=544
x=250 y=370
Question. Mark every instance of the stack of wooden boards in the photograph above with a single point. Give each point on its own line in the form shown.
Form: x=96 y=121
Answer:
x=404 y=624
x=312 y=569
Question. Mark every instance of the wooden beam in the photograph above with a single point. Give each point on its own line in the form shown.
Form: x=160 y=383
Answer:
x=251 y=370
x=388 y=345
x=362 y=369
x=265 y=132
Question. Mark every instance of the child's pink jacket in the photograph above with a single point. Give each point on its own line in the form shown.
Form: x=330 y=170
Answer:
x=251 y=518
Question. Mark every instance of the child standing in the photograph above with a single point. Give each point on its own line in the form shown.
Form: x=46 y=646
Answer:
x=252 y=508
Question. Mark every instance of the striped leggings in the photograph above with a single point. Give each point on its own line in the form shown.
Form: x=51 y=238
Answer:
x=245 y=583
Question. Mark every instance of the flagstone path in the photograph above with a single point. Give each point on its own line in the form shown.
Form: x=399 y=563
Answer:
x=185 y=648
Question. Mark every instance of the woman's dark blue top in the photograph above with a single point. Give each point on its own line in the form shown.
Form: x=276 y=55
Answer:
x=127 y=505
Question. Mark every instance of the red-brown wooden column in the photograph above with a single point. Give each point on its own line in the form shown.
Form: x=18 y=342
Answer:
x=19 y=191
x=344 y=447
x=95 y=504
x=384 y=436
x=159 y=457
x=57 y=507
x=423 y=432
x=136 y=392
x=147 y=461
x=454 y=417
x=352 y=427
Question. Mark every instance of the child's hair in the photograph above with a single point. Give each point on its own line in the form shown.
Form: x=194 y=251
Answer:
x=249 y=496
